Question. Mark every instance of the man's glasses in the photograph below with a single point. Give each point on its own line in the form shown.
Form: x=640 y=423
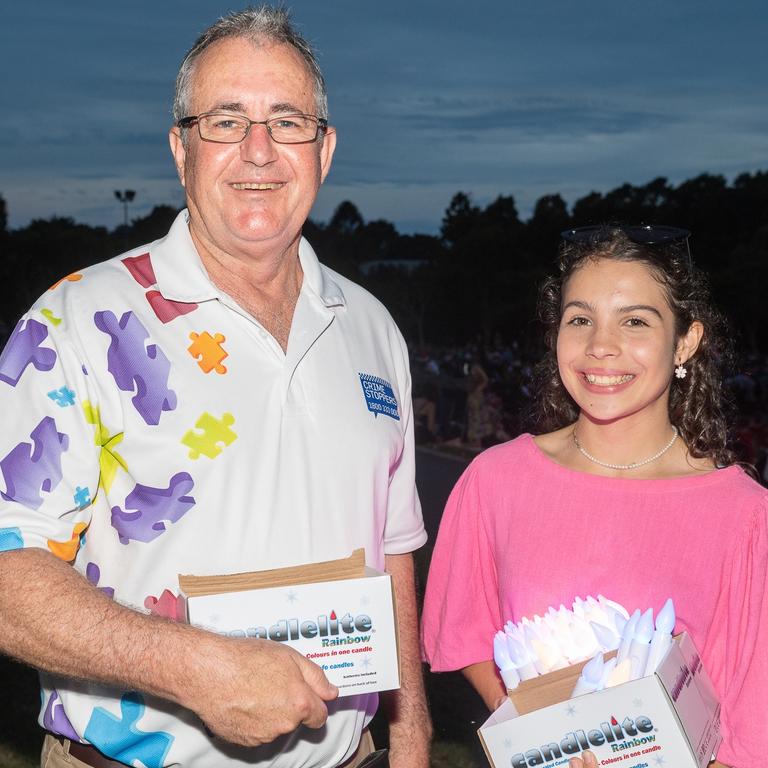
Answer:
x=223 y=128
x=642 y=234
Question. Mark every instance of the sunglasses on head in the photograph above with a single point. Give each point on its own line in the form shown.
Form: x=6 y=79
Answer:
x=642 y=234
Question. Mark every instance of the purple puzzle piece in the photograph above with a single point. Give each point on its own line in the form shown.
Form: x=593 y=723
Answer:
x=23 y=349
x=55 y=719
x=136 y=366
x=154 y=507
x=93 y=574
x=28 y=469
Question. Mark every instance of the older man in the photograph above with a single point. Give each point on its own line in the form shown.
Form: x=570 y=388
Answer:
x=196 y=406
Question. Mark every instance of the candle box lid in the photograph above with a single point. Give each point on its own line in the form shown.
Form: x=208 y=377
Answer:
x=338 y=613
x=670 y=718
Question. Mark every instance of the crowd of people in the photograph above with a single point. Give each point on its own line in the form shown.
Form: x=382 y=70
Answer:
x=474 y=396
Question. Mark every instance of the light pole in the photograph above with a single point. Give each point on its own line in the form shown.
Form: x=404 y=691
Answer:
x=125 y=197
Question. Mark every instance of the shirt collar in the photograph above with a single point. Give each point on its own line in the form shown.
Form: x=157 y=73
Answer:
x=181 y=276
x=179 y=272
x=317 y=278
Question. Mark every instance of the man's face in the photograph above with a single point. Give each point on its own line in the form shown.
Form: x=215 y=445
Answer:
x=250 y=198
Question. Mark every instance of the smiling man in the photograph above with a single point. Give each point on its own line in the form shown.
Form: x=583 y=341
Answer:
x=208 y=403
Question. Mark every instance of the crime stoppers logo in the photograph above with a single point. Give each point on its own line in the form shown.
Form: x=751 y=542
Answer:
x=379 y=396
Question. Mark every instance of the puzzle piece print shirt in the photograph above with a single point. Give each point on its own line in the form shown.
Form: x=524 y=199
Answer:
x=152 y=427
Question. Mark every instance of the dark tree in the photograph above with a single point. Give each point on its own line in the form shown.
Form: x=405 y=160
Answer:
x=346 y=219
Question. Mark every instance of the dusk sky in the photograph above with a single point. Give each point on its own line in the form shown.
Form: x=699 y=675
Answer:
x=429 y=98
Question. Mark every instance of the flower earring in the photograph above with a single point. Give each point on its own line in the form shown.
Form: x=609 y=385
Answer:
x=681 y=371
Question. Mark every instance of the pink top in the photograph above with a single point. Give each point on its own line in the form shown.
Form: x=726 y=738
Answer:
x=521 y=533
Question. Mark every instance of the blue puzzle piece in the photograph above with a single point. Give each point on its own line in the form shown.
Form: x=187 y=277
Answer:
x=154 y=508
x=10 y=539
x=23 y=349
x=137 y=366
x=120 y=739
x=82 y=497
x=28 y=469
x=63 y=396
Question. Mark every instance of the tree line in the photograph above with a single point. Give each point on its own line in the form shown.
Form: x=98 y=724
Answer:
x=477 y=279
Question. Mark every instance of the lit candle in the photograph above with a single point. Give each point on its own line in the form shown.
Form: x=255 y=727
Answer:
x=627 y=635
x=521 y=659
x=616 y=607
x=504 y=661
x=591 y=676
x=662 y=637
x=607 y=638
x=619 y=674
x=641 y=644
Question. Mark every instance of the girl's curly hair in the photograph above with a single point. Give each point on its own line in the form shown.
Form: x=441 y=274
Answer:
x=697 y=406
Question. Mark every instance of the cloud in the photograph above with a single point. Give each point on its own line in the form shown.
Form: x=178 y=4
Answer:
x=531 y=117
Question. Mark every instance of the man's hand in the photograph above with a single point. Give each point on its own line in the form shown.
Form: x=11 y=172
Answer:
x=247 y=691
x=251 y=691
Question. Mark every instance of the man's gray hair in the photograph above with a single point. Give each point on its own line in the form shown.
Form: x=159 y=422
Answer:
x=259 y=25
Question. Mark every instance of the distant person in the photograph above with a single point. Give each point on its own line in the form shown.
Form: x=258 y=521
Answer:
x=478 y=424
x=203 y=405
x=631 y=489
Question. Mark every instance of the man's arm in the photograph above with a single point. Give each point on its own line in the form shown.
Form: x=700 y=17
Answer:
x=53 y=619
x=410 y=727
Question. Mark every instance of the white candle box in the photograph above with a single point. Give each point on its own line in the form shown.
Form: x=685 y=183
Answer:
x=667 y=720
x=339 y=613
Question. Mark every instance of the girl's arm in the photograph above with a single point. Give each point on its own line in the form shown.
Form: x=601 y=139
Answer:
x=486 y=682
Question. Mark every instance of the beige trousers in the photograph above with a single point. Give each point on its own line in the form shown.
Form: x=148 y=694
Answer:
x=56 y=755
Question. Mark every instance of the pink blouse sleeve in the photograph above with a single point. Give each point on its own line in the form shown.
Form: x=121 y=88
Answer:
x=736 y=653
x=461 y=605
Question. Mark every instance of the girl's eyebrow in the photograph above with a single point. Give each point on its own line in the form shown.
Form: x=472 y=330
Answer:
x=640 y=307
x=579 y=305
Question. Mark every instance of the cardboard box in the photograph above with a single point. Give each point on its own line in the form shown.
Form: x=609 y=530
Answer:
x=670 y=718
x=340 y=614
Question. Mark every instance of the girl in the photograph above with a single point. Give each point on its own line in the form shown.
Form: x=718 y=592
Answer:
x=630 y=490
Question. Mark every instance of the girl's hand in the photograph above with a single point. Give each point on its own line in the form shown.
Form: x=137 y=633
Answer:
x=587 y=760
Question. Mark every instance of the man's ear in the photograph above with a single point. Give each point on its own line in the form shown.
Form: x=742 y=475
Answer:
x=178 y=151
x=689 y=342
x=326 y=153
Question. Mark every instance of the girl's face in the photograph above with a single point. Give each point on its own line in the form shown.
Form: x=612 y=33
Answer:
x=616 y=346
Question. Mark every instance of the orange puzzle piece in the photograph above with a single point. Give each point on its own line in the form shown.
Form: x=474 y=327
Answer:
x=208 y=351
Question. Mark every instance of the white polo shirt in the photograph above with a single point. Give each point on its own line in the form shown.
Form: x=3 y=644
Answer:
x=153 y=427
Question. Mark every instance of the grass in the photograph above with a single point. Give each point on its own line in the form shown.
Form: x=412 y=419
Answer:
x=20 y=735
x=10 y=758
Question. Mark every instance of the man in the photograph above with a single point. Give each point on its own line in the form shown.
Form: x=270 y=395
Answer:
x=197 y=406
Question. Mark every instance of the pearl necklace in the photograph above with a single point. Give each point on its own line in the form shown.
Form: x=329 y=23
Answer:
x=634 y=464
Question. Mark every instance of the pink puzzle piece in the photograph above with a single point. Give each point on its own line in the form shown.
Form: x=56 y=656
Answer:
x=142 y=272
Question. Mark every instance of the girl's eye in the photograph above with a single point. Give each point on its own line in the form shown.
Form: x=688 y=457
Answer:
x=636 y=322
x=578 y=320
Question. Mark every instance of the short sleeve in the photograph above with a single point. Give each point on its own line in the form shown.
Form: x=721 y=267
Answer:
x=49 y=461
x=404 y=528
x=736 y=653
x=461 y=605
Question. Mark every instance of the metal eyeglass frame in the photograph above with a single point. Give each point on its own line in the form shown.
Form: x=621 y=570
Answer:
x=321 y=125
